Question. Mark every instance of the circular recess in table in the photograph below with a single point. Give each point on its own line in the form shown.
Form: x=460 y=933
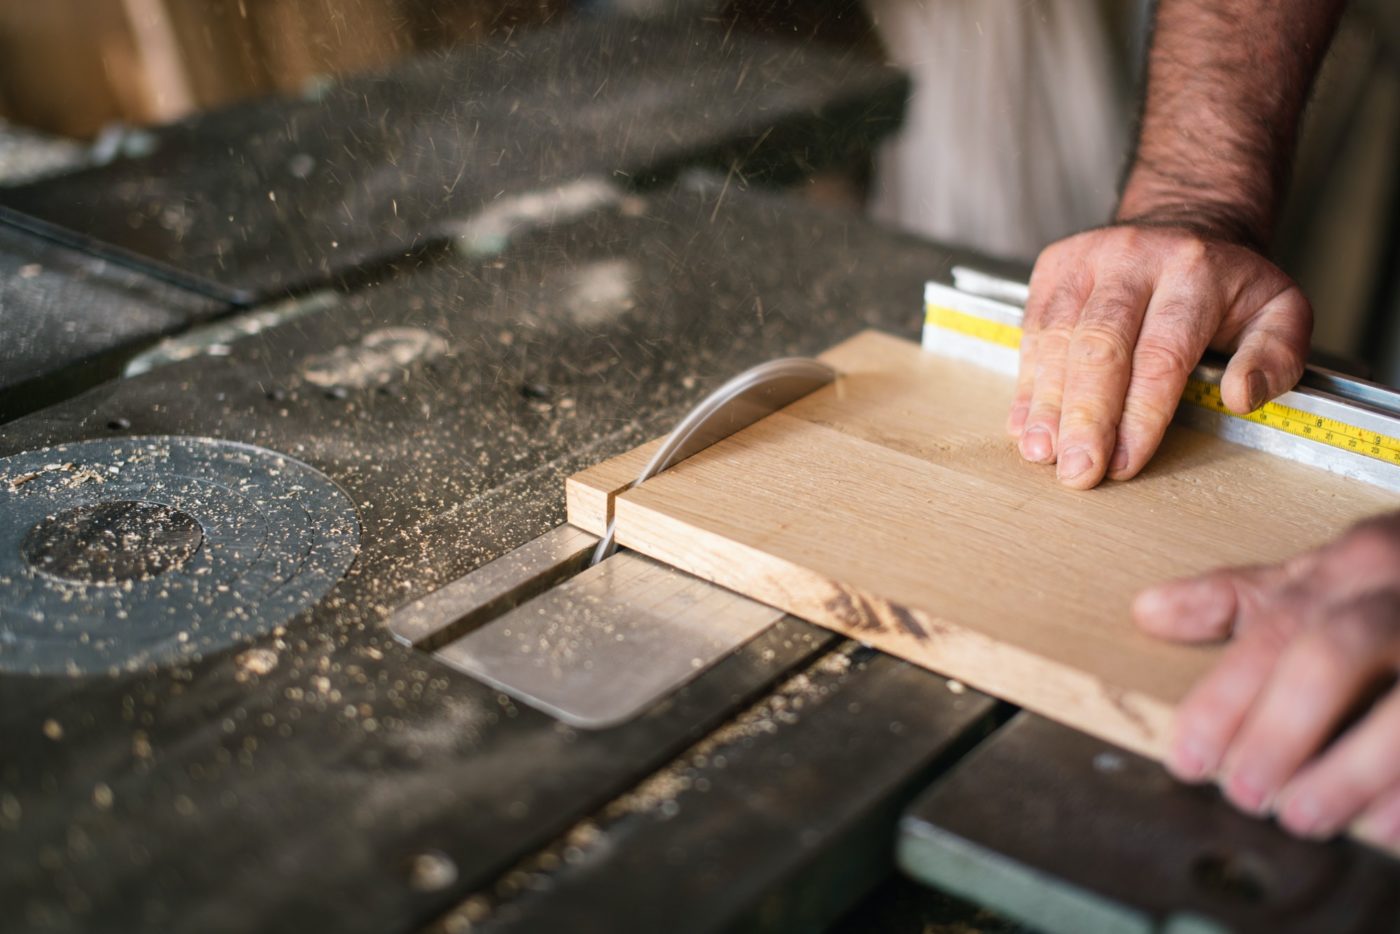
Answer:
x=126 y=553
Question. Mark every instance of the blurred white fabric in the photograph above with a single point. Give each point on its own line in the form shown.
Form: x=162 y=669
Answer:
x=1015 y=133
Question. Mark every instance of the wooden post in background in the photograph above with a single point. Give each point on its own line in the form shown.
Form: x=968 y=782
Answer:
x=66 y=65
x=165 y=82
x=74 y=66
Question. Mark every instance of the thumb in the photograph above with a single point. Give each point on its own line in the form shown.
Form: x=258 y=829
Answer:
x=1205 y=608
x=1271 y=350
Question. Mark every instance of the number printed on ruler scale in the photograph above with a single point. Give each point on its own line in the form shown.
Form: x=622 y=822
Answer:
x=1318 y=428
x=1273 y=415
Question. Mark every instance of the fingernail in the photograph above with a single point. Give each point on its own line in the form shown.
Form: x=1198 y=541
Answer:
x=1153 y=602
x=1302 y=816
x=1120 y=459
x=1187 y=761
x=1247 y=792
x=1258 y=389
x=1073 y=463
x=1185 y=599
x=1036 y=446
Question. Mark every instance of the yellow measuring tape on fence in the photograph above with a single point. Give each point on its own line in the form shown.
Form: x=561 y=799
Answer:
x=1274 y=415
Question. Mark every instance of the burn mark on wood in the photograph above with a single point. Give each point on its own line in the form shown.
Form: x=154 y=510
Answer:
x=859 y=613
x=852 y=611
x=909 y=623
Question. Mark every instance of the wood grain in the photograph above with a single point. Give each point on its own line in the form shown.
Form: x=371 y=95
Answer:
x=891 y=507
x=588 y=494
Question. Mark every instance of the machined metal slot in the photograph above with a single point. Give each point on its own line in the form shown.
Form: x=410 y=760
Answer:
x=492 y=589
x=603 y=646
x=593 y=646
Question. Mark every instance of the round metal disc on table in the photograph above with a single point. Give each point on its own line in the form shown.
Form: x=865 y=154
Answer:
x=126 y=553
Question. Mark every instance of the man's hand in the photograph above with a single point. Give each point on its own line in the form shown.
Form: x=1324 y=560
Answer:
x=1314 y=640
x=1117 y=319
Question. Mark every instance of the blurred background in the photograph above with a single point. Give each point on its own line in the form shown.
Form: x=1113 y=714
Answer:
x=1015 y=133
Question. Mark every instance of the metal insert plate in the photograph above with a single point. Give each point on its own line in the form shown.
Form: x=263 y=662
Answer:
x=594 y=649
x=142 y=551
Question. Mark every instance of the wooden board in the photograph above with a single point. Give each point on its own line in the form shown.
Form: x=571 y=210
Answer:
x=891 y=507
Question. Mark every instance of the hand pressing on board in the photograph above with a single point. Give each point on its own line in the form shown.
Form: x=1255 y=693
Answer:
x=1118 y=317
x=1117 y=320
x=1314 y=654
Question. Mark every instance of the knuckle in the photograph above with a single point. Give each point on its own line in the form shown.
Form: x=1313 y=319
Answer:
x=1086 y=422
x=1115 y=299
x=1119 y=280
x=1368 y=630
x=1052 y=341
x=1188 y=310
x=1130 y=237
x=1201 y=717
x=1156 y=363
x=1298 y=312
x=1027 y=355
x=1332 y=656
x=1065 y=301
x=1191 y=251
x=1283 y=345
x=1043 y=413
x=1197 y=712
x=1099 y=347
x=1348 y=784
x=1144 y=419
x=1301 y=566
x=1284 y=617
x=1230 y=685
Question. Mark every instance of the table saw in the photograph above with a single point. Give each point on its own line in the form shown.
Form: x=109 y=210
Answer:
x=236 y=470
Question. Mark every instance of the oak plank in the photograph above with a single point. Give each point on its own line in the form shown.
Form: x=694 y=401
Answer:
x=891 y=507
x=588 y=494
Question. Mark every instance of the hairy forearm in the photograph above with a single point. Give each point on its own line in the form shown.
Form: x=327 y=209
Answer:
x=1227 y=82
